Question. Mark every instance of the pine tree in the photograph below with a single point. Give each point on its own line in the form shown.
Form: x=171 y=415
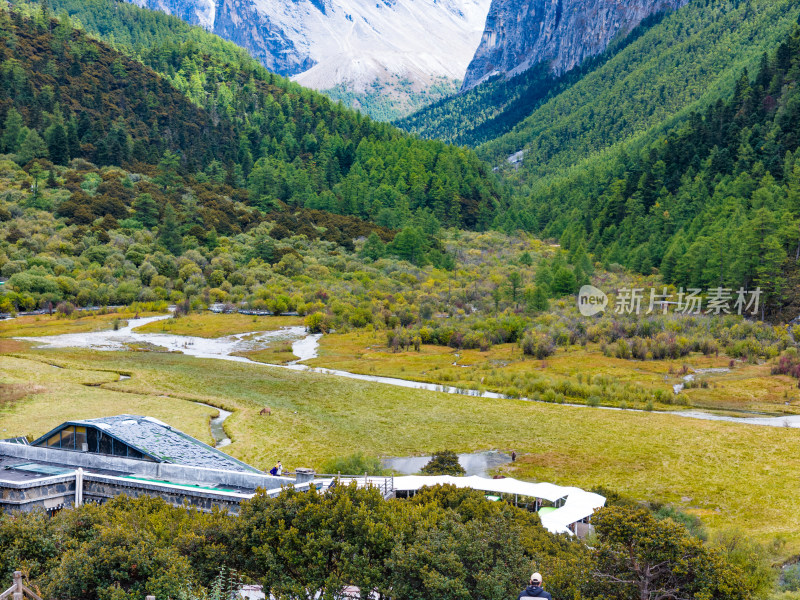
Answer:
x=12 y=131
x=168 y=233
x=538 y=302
x=33 y=146
x=57 y=144
x=146 y=210
x=373 y=248
x=168 y=170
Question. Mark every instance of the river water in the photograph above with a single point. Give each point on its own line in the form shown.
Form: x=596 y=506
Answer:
x=305 y=346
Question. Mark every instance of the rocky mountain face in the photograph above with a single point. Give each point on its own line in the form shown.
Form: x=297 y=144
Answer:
x=523 y=33
x=356 y=45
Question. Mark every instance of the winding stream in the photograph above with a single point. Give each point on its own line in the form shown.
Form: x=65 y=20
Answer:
x=305 y=346
x=221 y=438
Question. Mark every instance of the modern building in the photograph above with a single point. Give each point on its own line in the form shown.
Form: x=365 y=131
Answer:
x=141 y=438
x=94 y=460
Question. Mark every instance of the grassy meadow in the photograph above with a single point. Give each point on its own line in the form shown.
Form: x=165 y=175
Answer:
x=58 y=324
x=35 y=396
x=733 y=476
x=210 y=325
x=745 y=387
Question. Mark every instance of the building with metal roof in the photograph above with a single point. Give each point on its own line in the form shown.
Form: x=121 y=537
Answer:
x=141 y=438
x=94 y=460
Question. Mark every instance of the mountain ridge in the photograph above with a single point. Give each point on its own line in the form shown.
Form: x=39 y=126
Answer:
x=406 y=49
x=520 y=35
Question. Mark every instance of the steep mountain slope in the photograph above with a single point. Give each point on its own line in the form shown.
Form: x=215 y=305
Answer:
x=562 y=33
x=275 y=142
x=402 y=48
x=112 y=109
x=494 y=107
x=690 y=59
x=715 y=203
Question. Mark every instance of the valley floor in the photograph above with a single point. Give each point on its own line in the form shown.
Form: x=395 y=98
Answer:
x=731 y=475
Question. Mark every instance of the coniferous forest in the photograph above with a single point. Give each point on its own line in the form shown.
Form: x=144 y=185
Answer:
x=148 y=166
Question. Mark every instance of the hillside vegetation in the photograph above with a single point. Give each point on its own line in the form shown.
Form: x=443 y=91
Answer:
x=223 y=117
x=686 y=62
x=674 y=152
x=493 y=108
x=713 y=203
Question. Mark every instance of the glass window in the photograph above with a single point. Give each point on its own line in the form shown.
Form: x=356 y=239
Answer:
x=80 y=437
x=134 y=453
x=120 y=449
x=68 y=438
x=105 y=443
x=91 y=439
x=55 y=441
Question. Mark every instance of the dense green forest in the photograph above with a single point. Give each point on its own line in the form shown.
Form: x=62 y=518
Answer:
x=444 y=544
x=275 y=142
x=662 y=154
x=493 y=108
x=687 y=61
x=713 y=203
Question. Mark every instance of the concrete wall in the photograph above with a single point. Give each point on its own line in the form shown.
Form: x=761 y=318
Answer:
x=46 y=493
x=176 y=484
x=166 y=471
x=56 y=492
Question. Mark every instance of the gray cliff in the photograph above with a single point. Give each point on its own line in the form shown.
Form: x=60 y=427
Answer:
x=522 y=33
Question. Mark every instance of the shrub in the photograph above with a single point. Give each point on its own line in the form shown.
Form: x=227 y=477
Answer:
x=443 y=463
x=65 y=308
x=538 y=345
x=354 y=464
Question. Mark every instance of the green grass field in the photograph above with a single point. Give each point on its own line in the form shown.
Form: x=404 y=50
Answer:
x=732 y=475
x=43 y=325
x=211 y=325
x=747 y=387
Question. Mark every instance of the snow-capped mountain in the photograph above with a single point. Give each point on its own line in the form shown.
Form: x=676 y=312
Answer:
x=358 y=44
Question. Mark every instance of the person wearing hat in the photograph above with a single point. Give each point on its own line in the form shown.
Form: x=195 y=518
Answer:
x=535 y=590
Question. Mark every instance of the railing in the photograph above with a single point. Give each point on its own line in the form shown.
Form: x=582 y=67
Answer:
x=384 y=483
x=18 y=590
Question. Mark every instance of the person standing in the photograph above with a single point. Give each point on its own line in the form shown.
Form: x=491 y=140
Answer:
x=279 y=467
x=535 y=589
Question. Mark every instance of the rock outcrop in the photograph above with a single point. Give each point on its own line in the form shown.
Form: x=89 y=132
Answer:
x=362 y=45
x=522 y=33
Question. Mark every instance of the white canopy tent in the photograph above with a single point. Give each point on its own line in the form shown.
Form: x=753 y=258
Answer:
x=577 y=503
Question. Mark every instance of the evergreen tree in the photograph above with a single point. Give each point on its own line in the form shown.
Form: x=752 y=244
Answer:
x=564 y=282
x=168 y=233
x=409 y=245
x=514 y=284
x=33 y=146
x=539 y=302
x=12 y=131
x=168 y=170
x=373 y=248
x=57 y=144
x=146 y=210
x=443 y=463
